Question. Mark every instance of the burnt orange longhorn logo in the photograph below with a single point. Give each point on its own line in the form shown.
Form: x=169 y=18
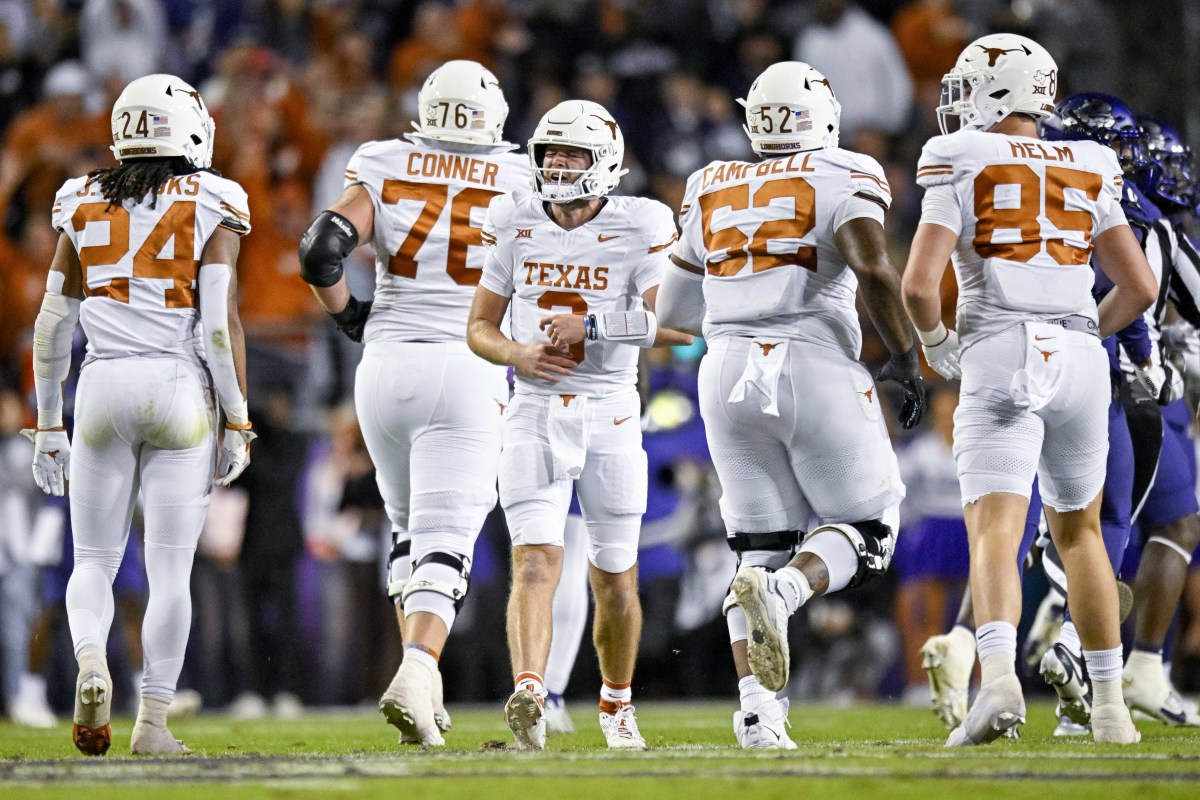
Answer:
x=192 y=94
x=567 y=398
x=502 y=405
x=827 y=84
x=612 y=125
x=994 y=53
x=867 y=394
x=767 y=347
x=1046 y=354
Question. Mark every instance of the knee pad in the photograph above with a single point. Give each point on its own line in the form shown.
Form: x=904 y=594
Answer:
x=612 y=559
x=872 y=540
x=106 y=559
x=745 y=543
x=456 y=591
x=399 y=566
x=458 y=511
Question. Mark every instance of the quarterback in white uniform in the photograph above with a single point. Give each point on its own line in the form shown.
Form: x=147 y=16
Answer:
x=145 y=262
x=430 y=411
x=577 y=271
x=769 y=262
x=1021 y=218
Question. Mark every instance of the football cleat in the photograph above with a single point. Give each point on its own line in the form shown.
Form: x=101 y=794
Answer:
x=621 y=728
x=755 y=592
x=999 y=707
x=526 y=717
x=1111 y=725
x=1148 y=691
x=1043 y=633
x=948 y=660
x=557 y=718
x=408 y=705
x=150 y=739
x=441 y=716
x=1067 y=673
x=92 y=732
x=764 y=728
x=1066 y=727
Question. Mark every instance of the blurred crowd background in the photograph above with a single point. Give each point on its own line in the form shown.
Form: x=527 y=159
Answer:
x=289 y=603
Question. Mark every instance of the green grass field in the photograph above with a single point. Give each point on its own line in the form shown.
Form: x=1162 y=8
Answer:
x=843 y=753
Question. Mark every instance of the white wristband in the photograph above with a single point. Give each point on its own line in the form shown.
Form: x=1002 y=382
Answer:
x=934 y=337
x=237 y=414
x=638 y=328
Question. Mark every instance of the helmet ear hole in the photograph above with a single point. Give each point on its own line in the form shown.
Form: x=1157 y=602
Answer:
x=196 y=140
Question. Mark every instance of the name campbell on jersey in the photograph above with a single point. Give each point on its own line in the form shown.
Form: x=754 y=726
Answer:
x=140 y=263
x=429 y=209
x=764 y=234
x=604 y=265
x=1025 y=212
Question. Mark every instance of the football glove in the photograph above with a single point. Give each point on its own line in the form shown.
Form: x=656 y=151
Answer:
x=905 y=370
x=235 y=454
x=1149 y=381
x=943 y=357
x=51 y=459
x=352 y=320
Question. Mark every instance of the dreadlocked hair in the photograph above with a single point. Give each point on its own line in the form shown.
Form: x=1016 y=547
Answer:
x=134 y=179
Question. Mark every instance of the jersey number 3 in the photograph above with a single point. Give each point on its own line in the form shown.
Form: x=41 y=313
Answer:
x=462 y=233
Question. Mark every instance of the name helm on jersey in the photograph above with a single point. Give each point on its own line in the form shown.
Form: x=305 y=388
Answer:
x=791 y=107
x=995 y=76
x=461 y=102
x=586 y=125
x=162 y=116
x=1099 y=118
x=1168 y=180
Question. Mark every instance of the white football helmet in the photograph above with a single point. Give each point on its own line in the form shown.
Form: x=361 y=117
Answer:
x=791 y=107
x=162 y=116
x=997 y=75
x=583 y=124
x=461 y=102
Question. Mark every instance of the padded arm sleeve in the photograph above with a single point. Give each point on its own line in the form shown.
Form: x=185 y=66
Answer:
x=52 y=332
x=213 y=283
x=680 y=302
x=325 y=245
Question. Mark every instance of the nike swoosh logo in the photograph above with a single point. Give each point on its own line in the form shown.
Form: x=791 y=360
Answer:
x=1178 y=717
x=622 y=419
x=603 y=238
x=1042 y=338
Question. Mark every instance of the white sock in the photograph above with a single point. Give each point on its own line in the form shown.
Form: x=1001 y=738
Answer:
x=753 y=694
x=795 y=590
x=530 y=682
x=436 y=603
x=1069 y=638
x=996 y=644
x=153 y=709
x=419 y=656
x=609 y=694
x=1103 y=665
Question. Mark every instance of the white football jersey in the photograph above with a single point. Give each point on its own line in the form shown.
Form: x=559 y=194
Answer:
x=604 y=265
x=429 y=209
x=764 y=234
x=140 y=263
x=1025 y=212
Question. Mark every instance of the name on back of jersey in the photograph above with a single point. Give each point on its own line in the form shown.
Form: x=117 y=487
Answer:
x=736 y=170
x=451 y=166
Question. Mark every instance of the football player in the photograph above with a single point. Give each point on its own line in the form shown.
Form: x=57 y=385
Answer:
x=578 y=271
x=771 y=257
x=1021 y=219
x=1169 y=517
x=430 y=410
x=145 y=261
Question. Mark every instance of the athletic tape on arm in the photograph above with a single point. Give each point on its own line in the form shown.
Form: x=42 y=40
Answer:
x=213 y=285
x=52 y=333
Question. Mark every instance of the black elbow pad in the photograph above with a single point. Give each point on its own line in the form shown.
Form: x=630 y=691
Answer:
x=326 y=243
